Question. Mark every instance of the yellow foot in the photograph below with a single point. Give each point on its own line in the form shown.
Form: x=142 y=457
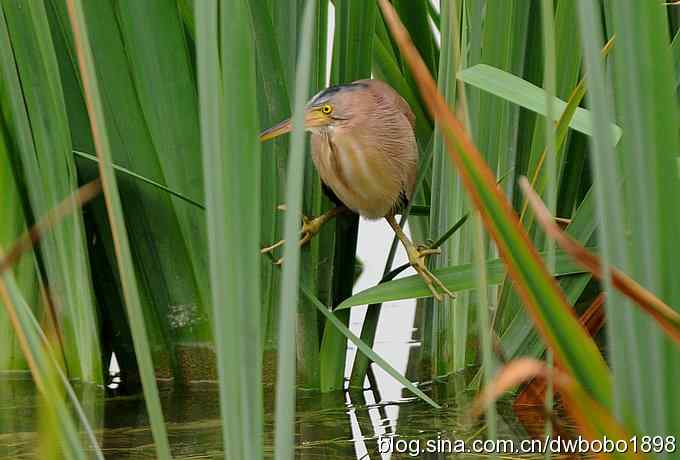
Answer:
x=310 y=227
x=417 y=256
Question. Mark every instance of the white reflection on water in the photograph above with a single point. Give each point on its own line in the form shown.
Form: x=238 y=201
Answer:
x=393 y=335
x=395 y=327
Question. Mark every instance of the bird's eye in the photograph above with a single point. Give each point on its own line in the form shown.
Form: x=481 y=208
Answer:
x=326 y=109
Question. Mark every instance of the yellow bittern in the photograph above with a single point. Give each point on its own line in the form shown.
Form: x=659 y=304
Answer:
x=365 y=150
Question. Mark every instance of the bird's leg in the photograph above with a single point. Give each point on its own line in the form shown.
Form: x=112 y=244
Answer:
x=417 y=257
x=310 y=227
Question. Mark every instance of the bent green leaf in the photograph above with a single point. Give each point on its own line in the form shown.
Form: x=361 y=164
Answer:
x=525 y=94
x=458 y=279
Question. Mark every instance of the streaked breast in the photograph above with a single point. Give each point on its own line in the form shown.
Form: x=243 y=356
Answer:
x=365 y=179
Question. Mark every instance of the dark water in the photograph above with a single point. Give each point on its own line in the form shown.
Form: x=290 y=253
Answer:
x=356 y=424
x=329 y=426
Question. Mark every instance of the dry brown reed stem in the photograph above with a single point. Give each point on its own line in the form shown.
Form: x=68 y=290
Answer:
x=55 y=215
x=665 y=316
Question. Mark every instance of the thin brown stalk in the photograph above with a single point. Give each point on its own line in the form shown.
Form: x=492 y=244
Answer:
x=667 y=318
x=55 y=215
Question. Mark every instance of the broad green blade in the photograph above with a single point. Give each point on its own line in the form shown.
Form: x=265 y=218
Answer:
x=115 y=213
x=186 y=9
x=284 y=441
x=450 y=317
x=157 y=52
x=626 y=360
x=644 y=80
x=458 y=279
x=415 y=14
x=164 y=271
x=33 y=105
x=485 y=326
x=314 y=203
x=273 y=106
x=354 y=23
x=448 y=328
x=525 y=94
x=286 y=35
x=25 y=271
x=287 y=22
x=574 y=349
x=231 y=161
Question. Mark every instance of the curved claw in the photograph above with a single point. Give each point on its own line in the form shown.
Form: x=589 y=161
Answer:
x=431 y=281
x=427 y=277
x=441 y=285
x=417 y=257
x=267 y=249
x=310 y=227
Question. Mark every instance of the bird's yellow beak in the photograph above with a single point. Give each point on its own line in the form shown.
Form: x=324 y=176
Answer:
x=275 y=131
x=313 y=118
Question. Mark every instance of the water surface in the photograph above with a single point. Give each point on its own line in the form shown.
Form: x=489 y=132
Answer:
x=328 y=426
x=342 y=425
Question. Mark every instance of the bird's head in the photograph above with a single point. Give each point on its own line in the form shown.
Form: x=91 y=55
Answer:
x=323 y=111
